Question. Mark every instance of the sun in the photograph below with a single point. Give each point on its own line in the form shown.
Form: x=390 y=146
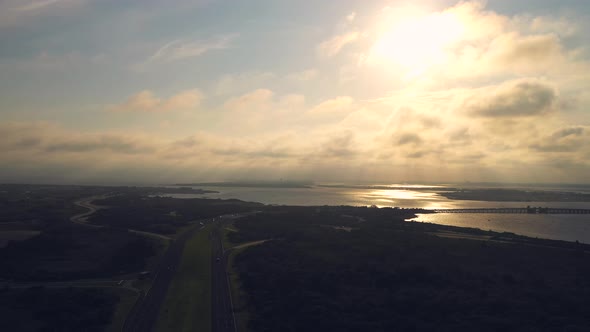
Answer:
x=415 y=43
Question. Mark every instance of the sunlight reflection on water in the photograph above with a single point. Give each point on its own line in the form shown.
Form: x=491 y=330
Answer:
x=402 y=198
x=561 y=227
x=564 y=227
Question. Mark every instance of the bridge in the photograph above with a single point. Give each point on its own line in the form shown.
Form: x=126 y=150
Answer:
x=526 y=210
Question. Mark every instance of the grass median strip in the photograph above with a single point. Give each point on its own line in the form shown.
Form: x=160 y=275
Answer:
x=188 y=303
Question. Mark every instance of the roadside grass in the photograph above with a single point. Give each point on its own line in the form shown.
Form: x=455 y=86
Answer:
x=142 y=284
x=188 y=303
x=180 y=230
x=17 y=226
x=160 y=246
x=226 y=229
x=127 y=299
x=231 y=228
x=238 y=295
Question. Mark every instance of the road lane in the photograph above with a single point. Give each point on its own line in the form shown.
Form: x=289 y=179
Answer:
x=144 y=316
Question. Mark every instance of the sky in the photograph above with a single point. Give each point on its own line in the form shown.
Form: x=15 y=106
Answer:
x=148 y=92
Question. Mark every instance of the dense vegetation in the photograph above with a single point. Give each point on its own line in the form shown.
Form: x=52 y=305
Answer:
x=163 y=214
x=58 y=309
x=47 y=204
x=384 y=274
x=41 y=205
x=74 y=251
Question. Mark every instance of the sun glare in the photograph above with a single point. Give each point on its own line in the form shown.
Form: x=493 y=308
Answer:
x=416 y=42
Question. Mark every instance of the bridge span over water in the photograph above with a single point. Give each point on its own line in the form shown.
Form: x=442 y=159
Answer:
x=526 y=210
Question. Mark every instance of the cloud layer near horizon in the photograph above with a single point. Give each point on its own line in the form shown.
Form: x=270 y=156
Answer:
x=503 y=99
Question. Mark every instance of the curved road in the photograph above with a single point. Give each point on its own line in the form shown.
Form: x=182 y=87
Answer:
x=82 y=217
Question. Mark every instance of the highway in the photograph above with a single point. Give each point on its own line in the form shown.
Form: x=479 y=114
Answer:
x=222 y=318
x=143 y=317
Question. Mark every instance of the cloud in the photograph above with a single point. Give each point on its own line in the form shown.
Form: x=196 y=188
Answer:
x=417 y=154
x=336 y=106
x=514 y=99
x=49 y=138
x=53 y=152
x=524 y=53
x=561 y=26
x=556 y=147
x=472 y=44
x=334 y=45
x=36 y=5
x=408 y=138
x=257 y=100
x=184 y=49
x=350 y=17
x=492 y=102
x=45 y=62
x=262 y=110
x=460 y=135
x=564 y=140
x=305 y=75
x=116 y=144
x=571 y=131
x=187 y=142
x=146 y=101
x=339 y=145
x=241 y=82
x=18 y=13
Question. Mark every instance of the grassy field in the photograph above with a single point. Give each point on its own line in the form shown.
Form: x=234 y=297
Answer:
x=160 y=246
x=20 y=235
x=225 y=230
x=58 y=308
x=188 y=303
x=238 y=296
x=127 y=299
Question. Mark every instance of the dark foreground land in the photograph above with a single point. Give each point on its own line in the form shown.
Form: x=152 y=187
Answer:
x=355 y=269
x=52 y=309
x=293 y=268
x=85 y=258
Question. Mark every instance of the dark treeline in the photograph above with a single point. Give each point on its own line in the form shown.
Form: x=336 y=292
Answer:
x=163 y=214
x=57 y=309
x=73 y=252
x=41 y=205
x=390 y=275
